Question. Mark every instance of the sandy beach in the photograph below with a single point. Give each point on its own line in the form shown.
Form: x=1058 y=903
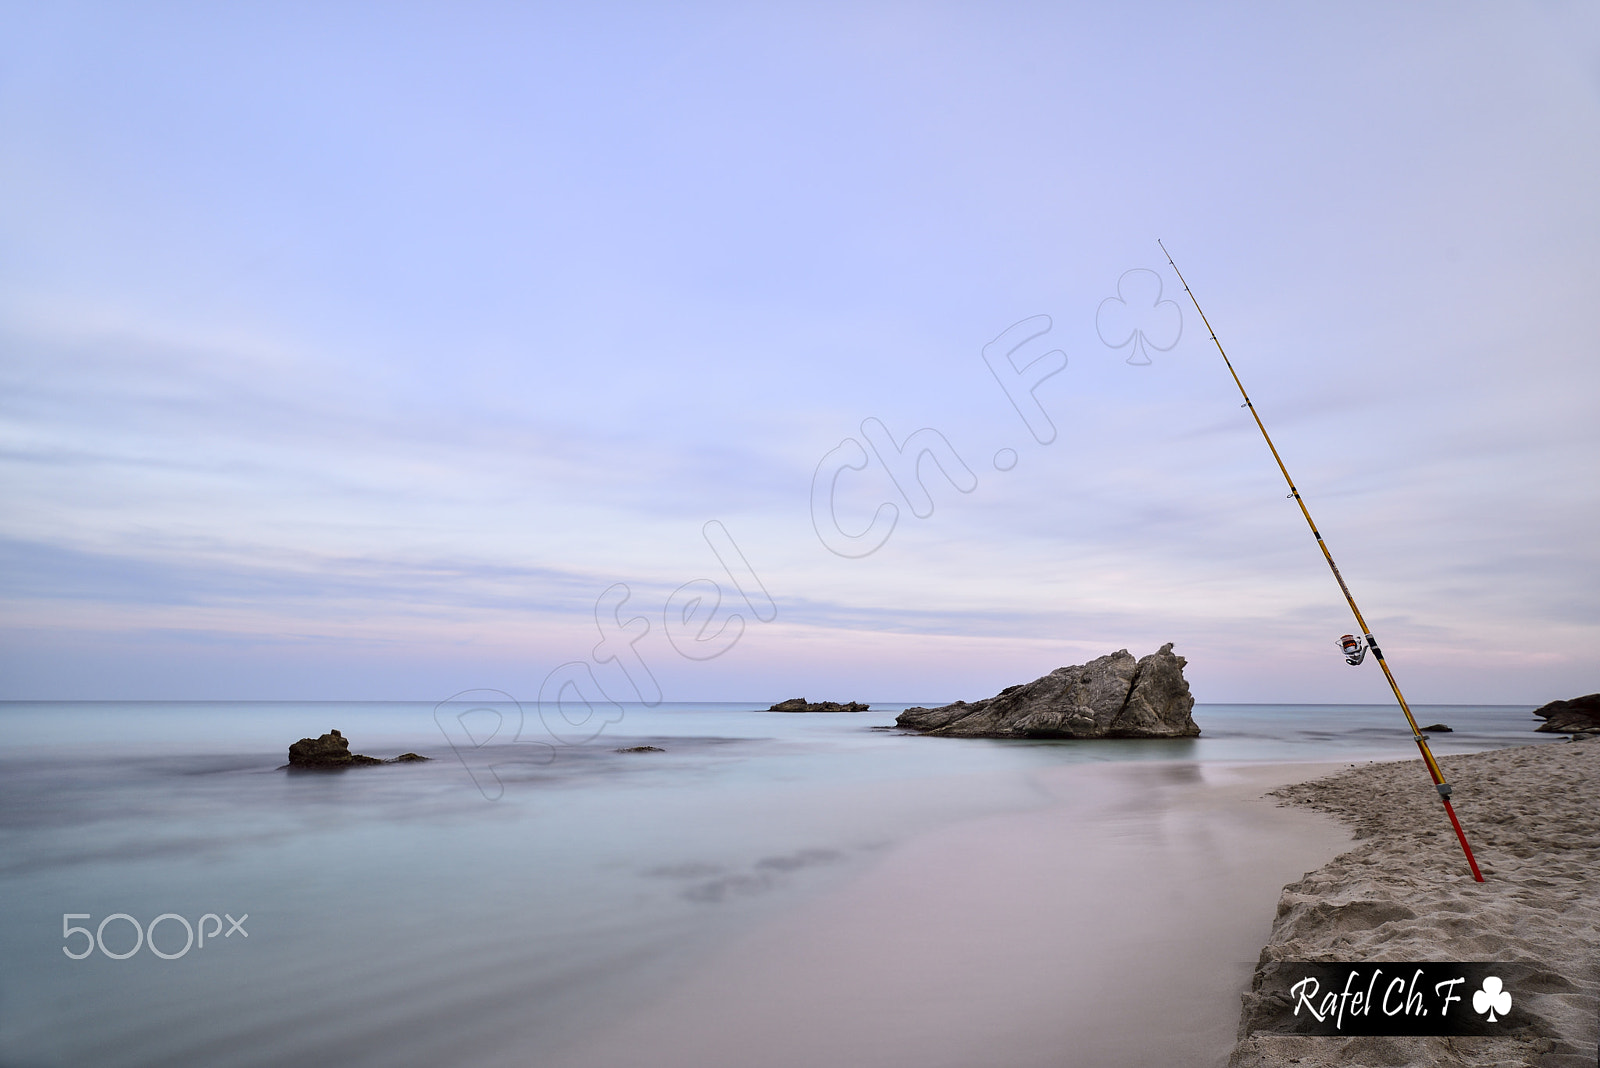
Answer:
x=1117 y=925
x=1403 y=892
x=1122 y=923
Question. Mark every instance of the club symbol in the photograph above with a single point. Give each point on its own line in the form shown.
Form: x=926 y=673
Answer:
x=1138 y=316
x=1492 y=999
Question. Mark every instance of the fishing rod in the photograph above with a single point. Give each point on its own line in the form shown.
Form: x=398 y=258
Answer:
x=1354 y=653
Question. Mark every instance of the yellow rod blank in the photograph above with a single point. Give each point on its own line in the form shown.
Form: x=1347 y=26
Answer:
x=1434 y=770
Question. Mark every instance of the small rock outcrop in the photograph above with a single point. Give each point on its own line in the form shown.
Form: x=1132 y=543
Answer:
x=1113 y=696
x=332 y=750
x=1439 y=728
x=1581 y=715
x=641 y=749
x=800 y=704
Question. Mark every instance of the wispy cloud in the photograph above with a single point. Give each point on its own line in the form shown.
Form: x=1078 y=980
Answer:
x=431 y=343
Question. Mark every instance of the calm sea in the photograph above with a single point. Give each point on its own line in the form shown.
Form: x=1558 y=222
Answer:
x=497 y=900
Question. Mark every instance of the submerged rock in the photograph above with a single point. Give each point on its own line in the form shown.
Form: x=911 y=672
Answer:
x=1579 y=715
x=641 y=749
x=1113 y=696
x=800 y=704
x=1439 y=728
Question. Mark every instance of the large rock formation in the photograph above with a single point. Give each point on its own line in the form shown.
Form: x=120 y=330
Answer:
x=1581 y=715
x=800 y=704
x=1110 y=697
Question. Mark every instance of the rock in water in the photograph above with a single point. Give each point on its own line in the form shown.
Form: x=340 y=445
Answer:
x=1581 y=714
x=1113 y=696
x=332 y=750
x=1439 y=728
x=800 y=704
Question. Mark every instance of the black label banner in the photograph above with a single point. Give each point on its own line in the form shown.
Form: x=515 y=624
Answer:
x=1389 y=998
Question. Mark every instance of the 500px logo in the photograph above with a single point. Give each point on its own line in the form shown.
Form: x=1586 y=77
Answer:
x=146 y=936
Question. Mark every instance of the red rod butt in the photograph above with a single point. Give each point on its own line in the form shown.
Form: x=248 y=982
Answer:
x=1471 y=861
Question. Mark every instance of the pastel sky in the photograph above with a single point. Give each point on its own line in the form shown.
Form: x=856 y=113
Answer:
x=357 y=350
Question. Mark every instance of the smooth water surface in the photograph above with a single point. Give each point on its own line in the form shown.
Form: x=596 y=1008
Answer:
x=497 y=900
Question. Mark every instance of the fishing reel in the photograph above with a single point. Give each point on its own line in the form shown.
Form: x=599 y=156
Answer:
x=1354 y=650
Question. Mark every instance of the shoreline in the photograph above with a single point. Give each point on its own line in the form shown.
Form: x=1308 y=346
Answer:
x=1116 y=925
x=1404 y=893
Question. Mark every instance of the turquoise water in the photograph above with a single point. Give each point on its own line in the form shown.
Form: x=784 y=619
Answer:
x=498 y=900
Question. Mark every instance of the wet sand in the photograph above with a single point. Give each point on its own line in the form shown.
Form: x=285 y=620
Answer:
x=1404 y=892
x=1117 y=925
